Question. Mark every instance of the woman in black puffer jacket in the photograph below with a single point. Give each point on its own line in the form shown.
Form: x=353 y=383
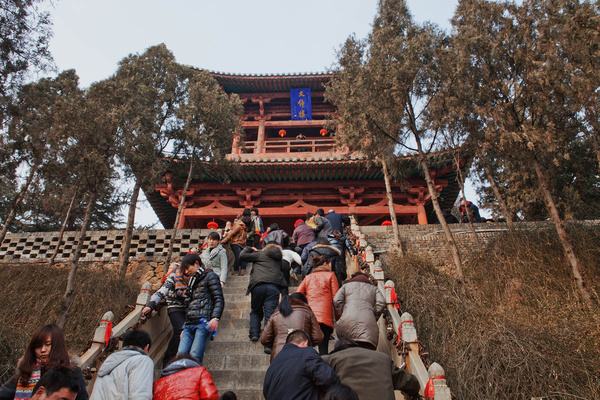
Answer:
x=204 y=309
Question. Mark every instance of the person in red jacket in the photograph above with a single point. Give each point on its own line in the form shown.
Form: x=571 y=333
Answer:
x=320 y=288
x=185 y=379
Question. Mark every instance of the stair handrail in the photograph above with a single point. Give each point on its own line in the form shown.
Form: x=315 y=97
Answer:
x=104 y=341
x=399 y=329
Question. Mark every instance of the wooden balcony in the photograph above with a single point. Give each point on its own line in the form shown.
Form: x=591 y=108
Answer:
x=284 y=147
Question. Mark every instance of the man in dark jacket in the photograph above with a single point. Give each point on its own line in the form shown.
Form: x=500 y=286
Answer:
x=350 y=362
x=323 y=248
x=338 y=221
x=324 y=227
x=268 y=277
x=298 y=372
x=205 y=306
x=277 y=235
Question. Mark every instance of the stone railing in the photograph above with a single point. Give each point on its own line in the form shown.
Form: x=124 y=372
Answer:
x=397 y=333
x=106 y=338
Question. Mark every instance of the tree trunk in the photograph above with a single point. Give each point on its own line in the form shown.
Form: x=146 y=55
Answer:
x=461 y=183
x=179 y=210
x=496 y=190
x=64 y=311
x=438 y=211
x=390 y=199
x=16 y=202
x=62 y=229
x=126 y=246
x=596 y=147
x=562 y=233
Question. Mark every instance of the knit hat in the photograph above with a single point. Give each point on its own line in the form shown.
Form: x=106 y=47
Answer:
x=297 y=222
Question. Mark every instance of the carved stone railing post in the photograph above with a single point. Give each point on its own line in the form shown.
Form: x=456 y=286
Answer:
x=103 y=330
x=413 y=359
x=436 y=387
x=362 y=240
x=377 y=273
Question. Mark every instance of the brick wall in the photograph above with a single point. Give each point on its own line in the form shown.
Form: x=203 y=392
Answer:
x=429 y=241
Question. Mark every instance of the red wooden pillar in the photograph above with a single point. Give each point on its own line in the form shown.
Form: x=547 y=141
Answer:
x=421 y=215
x=260 y=140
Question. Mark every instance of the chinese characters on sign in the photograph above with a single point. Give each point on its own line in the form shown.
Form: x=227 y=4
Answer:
x=301 y=104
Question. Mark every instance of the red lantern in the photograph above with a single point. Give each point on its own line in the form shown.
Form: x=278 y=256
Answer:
x=282 y=133
x=212 y=225
x=386 y=223
x=323 y=132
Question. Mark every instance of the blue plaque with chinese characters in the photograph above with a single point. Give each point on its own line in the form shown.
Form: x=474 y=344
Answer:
x=301 y=105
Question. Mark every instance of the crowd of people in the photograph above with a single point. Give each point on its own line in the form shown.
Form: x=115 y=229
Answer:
x=287 y=325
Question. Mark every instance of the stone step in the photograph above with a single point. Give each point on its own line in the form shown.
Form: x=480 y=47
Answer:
x=236 y=282
x=234 y=335
x=236 y=297
x=234 y=313
x=255 y=362
x=237 y=305
x=229 y=324
x=236 y=380
x=226 y=348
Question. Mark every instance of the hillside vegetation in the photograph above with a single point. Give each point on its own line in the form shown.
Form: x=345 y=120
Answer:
x=31 y=294
x=517 y=329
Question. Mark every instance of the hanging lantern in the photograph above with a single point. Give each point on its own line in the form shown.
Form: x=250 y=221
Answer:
x=323 y=132
x=212 y=225
x=282 y=133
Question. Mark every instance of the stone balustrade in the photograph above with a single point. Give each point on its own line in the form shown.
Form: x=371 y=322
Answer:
x=404 y=347
x=157 y=325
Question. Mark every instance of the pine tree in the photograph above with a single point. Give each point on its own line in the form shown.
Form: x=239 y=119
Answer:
x=384 y=85
x=528 y=98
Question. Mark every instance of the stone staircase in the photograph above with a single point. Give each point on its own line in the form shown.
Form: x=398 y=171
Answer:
x=234 y=362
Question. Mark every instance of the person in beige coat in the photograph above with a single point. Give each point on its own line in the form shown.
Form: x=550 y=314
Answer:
x=279 y=326
x=360 y=303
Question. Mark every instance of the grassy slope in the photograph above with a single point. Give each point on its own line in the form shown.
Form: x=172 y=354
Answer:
x=517 y=329
x=30 y=296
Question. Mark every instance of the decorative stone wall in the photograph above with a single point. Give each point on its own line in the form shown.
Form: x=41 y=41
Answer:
x=151 y=246
x=99 y=245
x=429 y=241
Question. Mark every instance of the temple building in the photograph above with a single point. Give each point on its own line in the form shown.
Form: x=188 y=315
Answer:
x=287 y=164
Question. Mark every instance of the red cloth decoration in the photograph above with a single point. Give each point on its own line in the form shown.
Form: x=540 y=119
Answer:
x=107 y=332
x=393 y=296
x=386 y=223
x=323 y=132
x=282 y=133
x=429 y=392
x=212 y=225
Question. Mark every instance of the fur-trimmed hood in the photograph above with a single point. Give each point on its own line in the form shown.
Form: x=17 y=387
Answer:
x=325 y=246
x=273 y=251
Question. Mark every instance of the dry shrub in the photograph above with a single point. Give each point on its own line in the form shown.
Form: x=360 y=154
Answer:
x=31 y=296
x=517 y=329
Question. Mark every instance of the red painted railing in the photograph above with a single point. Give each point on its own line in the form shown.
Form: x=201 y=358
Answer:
x=290 y=146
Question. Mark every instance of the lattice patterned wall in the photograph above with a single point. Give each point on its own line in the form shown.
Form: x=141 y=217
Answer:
x=98 y=246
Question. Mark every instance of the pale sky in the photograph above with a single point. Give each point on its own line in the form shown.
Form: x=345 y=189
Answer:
x=255 y=37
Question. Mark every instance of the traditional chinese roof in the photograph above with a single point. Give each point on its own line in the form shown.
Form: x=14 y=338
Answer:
x=329 y=167
x=247 y=83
